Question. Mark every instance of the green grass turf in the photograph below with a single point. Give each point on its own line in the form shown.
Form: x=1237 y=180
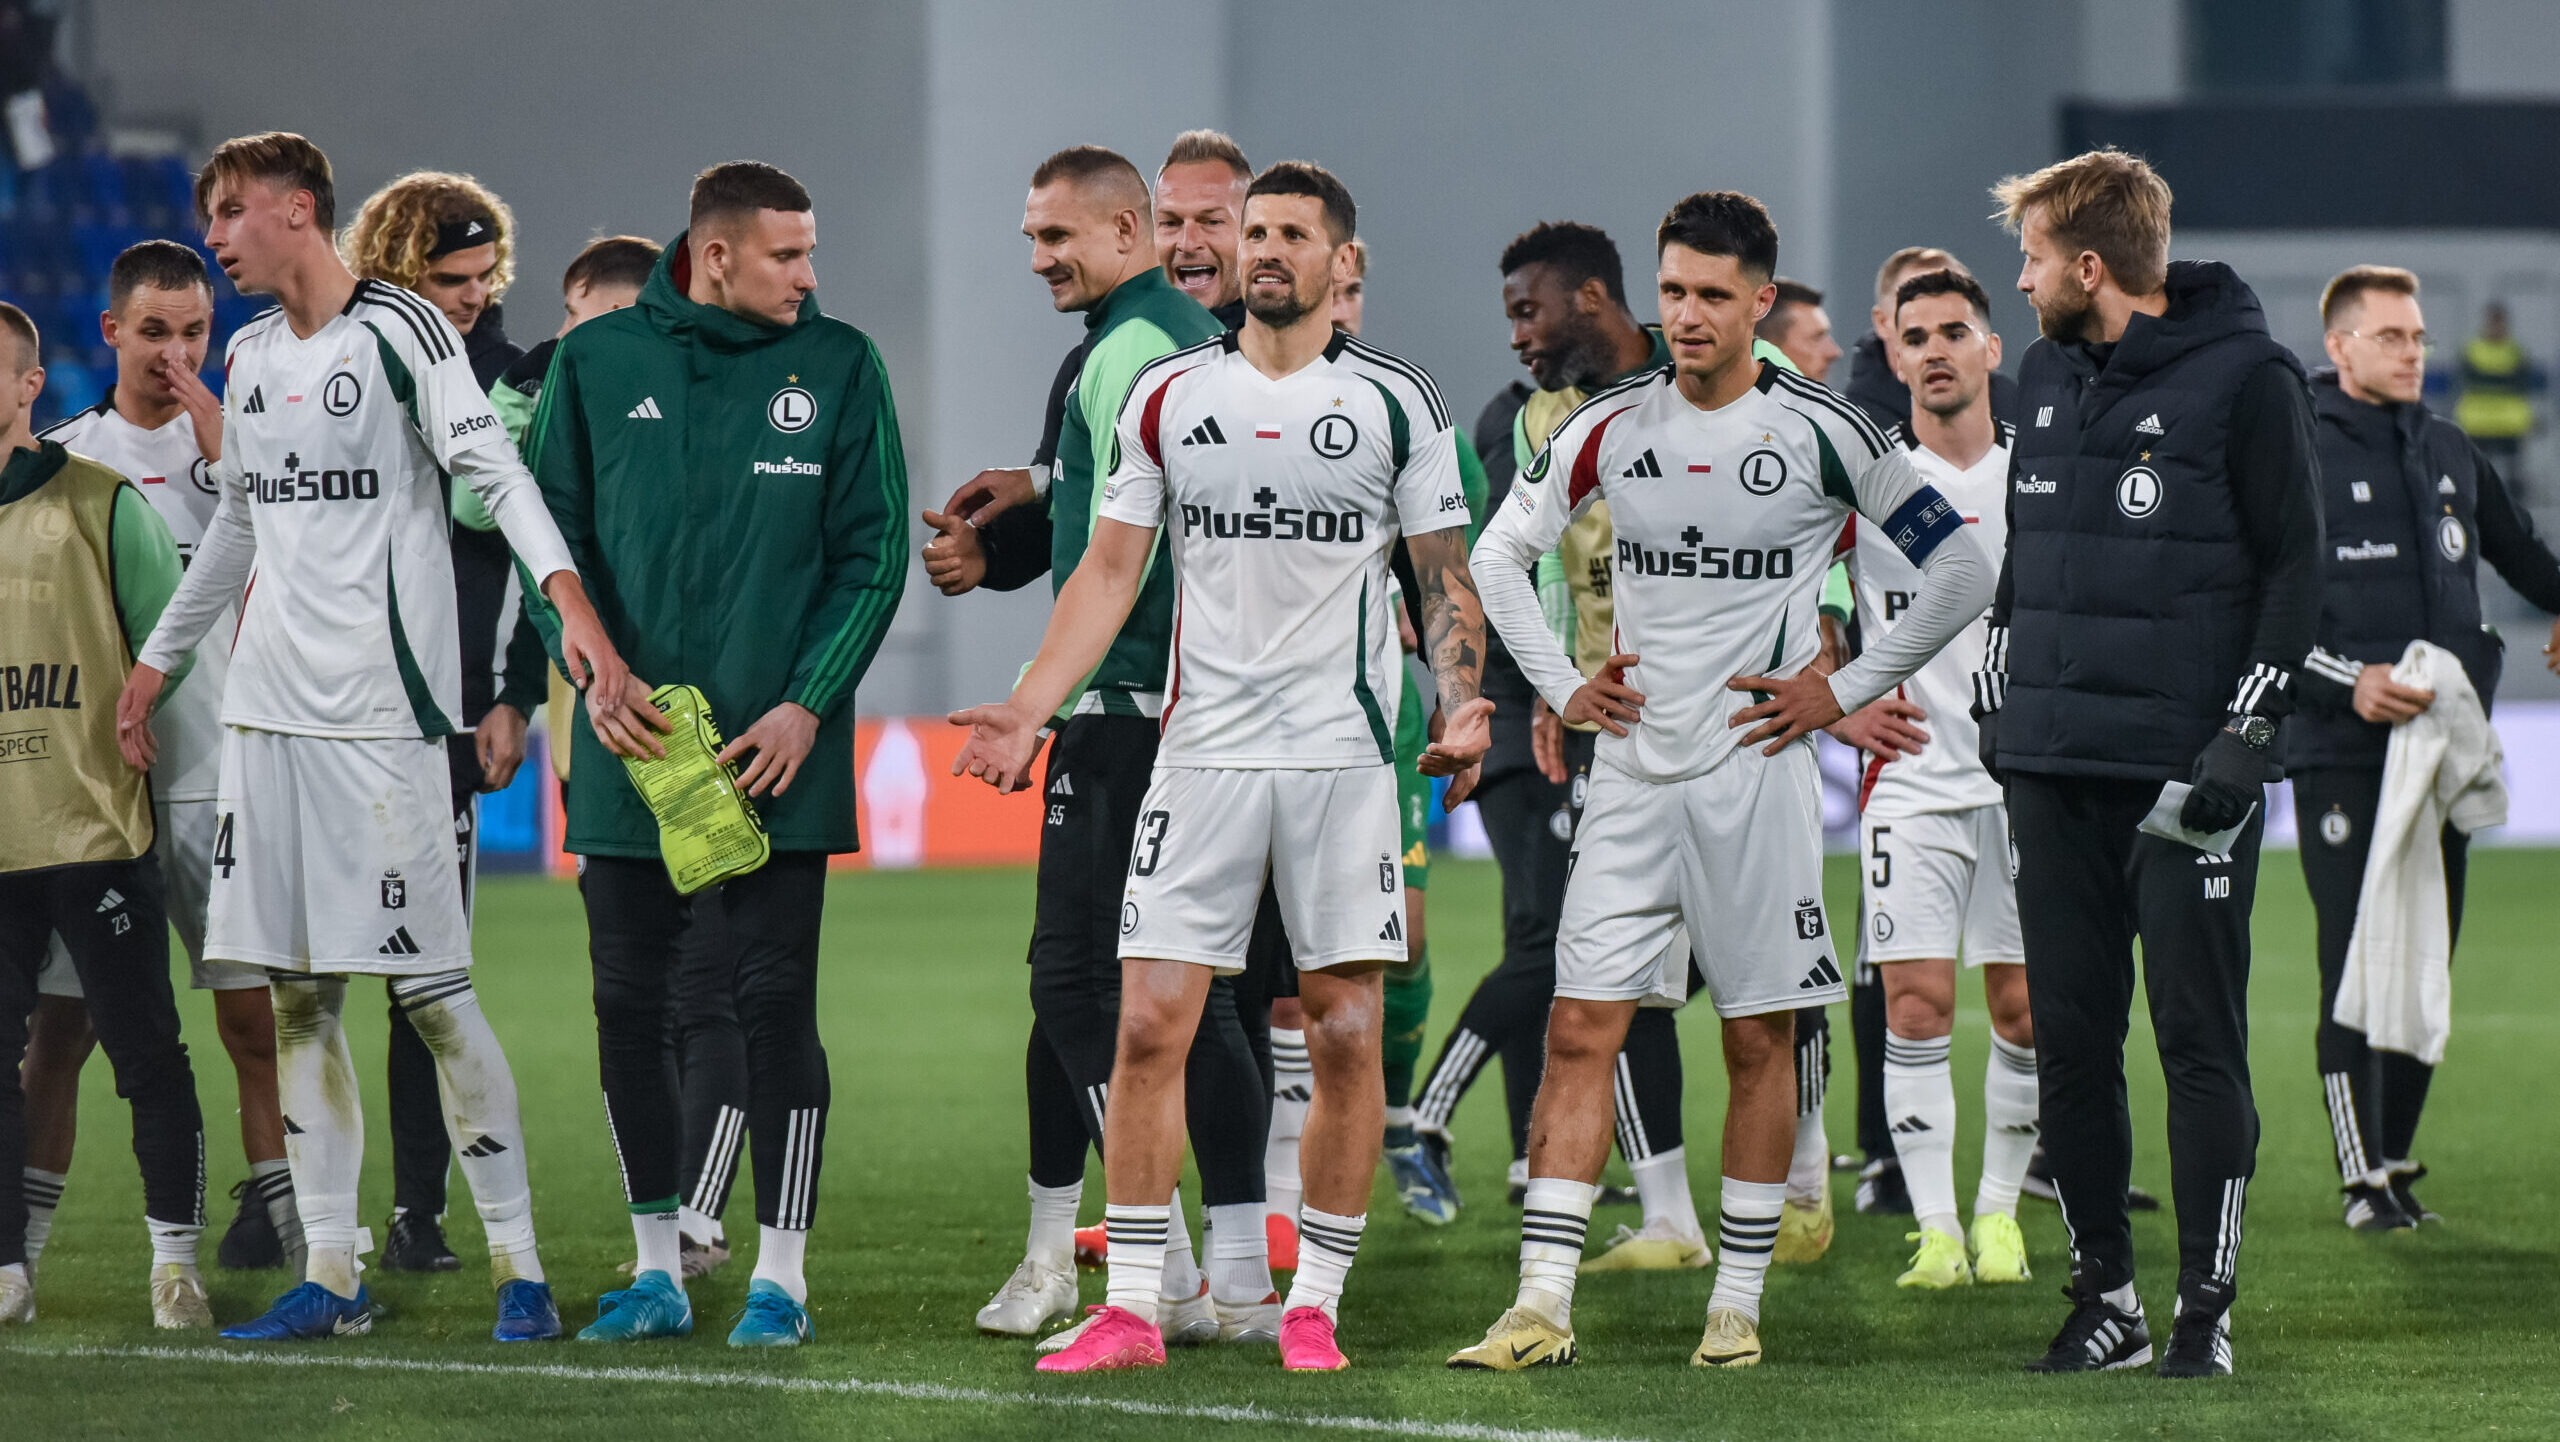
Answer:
x=2443 y=1333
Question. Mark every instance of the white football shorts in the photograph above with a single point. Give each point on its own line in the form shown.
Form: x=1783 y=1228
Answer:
x=336 y=856
x=186 y=869
x=1733 y=856
x=1330 y=842
x=1940 y=884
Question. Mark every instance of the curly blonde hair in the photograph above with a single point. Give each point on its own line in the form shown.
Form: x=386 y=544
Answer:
x=397 y=227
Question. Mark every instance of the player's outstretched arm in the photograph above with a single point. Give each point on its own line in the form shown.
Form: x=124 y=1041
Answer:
x=1453 y=646
x=1096 y=599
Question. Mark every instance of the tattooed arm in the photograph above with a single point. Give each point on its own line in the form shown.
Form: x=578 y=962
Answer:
x=1453 y=646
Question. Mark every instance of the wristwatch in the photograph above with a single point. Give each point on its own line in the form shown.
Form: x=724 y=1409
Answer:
x=2255 y=732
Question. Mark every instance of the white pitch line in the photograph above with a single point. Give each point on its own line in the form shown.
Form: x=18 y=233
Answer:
x=844 y=1386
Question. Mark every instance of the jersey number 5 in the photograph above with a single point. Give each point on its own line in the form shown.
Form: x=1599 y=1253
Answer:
x=1881 y=875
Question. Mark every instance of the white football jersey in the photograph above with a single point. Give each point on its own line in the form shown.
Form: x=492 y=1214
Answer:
x=1280 y=501
x=1947 y=775
x=338 y=456
x=1725 y=523
x=174 y=476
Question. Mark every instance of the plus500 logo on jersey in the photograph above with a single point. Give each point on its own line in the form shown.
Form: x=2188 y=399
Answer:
x=1280 y=523
x=1709 y=563
x=301 y=485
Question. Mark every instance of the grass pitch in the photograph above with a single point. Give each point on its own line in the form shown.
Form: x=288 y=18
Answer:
x=2444 y=1333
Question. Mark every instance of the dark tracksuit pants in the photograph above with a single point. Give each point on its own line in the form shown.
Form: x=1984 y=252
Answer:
x=2374 y=1097
x=707 y=1052
x=2089 y=884
x=1098 y=771
x=768 y=921
x=1530 y=822
x=114 y=921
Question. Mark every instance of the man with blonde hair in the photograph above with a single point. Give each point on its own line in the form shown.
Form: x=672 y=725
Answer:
x=2162 y=583
x=450 y=240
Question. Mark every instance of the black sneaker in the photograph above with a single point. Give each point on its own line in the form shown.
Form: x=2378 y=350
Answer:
x=2375 y=1209
x=1881 y=1189
x=2039 y=1184
x=416 y=1244
x=2098 y=1337
x=251 y=1244
x=2403 y=1179
x=2199 y=1343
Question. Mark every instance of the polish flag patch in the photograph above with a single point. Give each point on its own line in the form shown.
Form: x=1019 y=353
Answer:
x=1697 y=469
x=155 y=480
x=1267 y=431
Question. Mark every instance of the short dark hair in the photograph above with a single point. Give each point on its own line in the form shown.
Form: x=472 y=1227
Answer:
x=30 y=346
x=159 y=264
x=1092 y=165
x=735 y=189
x=1575 y=251
x=1193 y=147
x=1791 y=294
x=2347 y=288
x=279 y=156
x=612 y=260
x=1723 y=222
x=1944 y=282
x=1305 y=177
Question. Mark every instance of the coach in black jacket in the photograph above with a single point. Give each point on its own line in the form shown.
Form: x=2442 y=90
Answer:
x=2412 y=508
x=2162 y=582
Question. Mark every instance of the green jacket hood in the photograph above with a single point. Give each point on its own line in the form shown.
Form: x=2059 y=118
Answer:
x=23 y=471
x=671 y=311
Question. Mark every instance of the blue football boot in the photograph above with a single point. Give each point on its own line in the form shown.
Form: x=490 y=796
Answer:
x=526 y=1313
x=308 y=1313
x=771 y=1318
x=650 y=1307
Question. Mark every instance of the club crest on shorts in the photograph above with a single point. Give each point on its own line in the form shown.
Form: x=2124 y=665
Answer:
x=1128 y=917
x=2335 y=828
x=395 y=891
x=1808 y=919
x=1387 y=873
x=1881 y=927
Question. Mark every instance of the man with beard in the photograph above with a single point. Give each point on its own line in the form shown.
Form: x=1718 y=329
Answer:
x=2162 y=582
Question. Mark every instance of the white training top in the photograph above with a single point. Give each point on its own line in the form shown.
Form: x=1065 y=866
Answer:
x=166 y=467
x=1281 y=500
x=1725 y=522
x=337 y=454
x=1947 y=774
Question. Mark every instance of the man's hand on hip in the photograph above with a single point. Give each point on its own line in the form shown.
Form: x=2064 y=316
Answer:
x=1797 y=705
x=781 y=739
x=1887 y=728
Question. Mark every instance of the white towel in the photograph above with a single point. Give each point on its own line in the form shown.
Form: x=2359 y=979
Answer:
x=2442 y=769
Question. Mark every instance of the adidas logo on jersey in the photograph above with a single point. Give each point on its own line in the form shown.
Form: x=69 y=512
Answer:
x=2444 y=485
x=647 y=410
x=1645 y=465
x=1206 y=434
x=1393 y=930
x=399 y=943
x=256 y=404
x=2150 y=426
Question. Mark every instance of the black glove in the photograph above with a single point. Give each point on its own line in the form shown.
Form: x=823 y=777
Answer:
x=1988 y=746
x=2229 y=779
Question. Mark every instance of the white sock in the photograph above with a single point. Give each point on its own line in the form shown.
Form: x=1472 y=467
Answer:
x=1181 y=1279
x=1399 y=1116
x=1326 y=1244
x=2008 y=1127
x=1518 y=1174
x=1555 y=1219
x=1662 y=1185
x=44 y=1194
x=1239 y=1253
x=2123 y=1299
x=272 y=1184
x=701 y=1226
x=324 y=1123
x=1134 y=1274
x=1920 y=1096
x=1748 y=1230
x=173 y=1242
x=1811 y=1164
x=656 y=1233
x=479 y=1094
x=781 y=1256
x=1293 y=1088
x=1053 y=1225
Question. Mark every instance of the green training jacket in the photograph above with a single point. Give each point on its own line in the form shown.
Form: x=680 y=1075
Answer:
x=735 y=495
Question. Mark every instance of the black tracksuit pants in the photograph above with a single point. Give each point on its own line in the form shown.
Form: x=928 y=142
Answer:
x=1530 y=822
x=707 y=1050
x=2089 y=884
x=2374 y=1097
x=1098 y=771
x=114 y=921
x=768 y=921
